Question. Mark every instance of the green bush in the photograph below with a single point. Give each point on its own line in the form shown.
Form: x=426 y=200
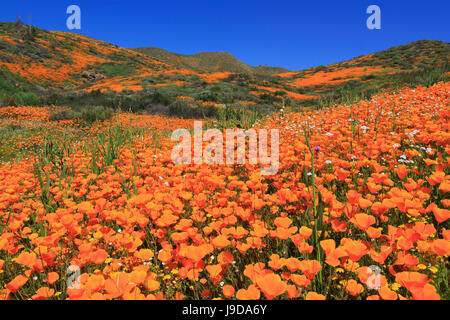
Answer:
x=27 y=99
x=59 y=115
x=88 y=114
x=98 y=113
x=188 y=110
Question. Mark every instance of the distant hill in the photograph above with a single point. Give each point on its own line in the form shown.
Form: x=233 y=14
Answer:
x=54 y=67
x=208 y=61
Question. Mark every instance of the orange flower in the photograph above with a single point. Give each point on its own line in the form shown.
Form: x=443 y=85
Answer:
x=292 y=264
x=228 y=291
x=283 y=222
x=225 y=258
x=254 y=271
x=99 y=256
x=363 y=221
x=16 y=283
x=353 y=196
x=436 y=178
x=355 y=249
x=252 y=293
x=314 y=296
x=427 y=292
x=401 y=171
x=276 y=263
x=410 y=279
x=52 y=277
x=271 y=285
x=305 y=232
x=195 y=253
x=387 y=294
x=144 y=254
x=310 y=268
x=43 y=293
x=95 y=283
x=300 y=279
x=374 y=233
x=364 y=203
x=221 y=242
x=214 y=272
x=441 y=247
x=354 y=288
x=441 y=215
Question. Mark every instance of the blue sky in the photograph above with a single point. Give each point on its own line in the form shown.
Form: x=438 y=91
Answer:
x=294 y=34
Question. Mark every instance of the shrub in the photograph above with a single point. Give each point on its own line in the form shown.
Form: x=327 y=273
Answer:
x=97 y=113
x=88 y=114
x=65 y=114
x=27 y=99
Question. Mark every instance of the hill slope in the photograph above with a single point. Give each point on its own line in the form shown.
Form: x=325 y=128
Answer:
x=39 y=67
x=208 y=61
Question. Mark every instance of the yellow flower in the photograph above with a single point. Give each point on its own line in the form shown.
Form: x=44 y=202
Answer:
x=98 y=235
x=395 y=286
x=434 y=269
x=421 y=266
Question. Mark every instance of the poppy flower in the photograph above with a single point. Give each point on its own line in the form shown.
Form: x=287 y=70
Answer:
x=363 y=221
x=252 y=293
x=300 y=279
x=426 y=292
x=43 y=293
x=271 y=285
x=52 y=277
x=409 y=279
x=314 y=296
x=16 y=283
x=387 y=294
x=309 y=268
x=228 y=291
x=355 y=249
x=354 y=288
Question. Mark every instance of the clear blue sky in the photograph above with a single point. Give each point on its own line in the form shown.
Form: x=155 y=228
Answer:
x=294 y=34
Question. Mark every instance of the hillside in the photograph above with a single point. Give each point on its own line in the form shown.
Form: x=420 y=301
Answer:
x=39 y=67
x=208 y=61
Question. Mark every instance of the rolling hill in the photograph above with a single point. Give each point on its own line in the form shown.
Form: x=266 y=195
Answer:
x=39 y=67
x=208 y=61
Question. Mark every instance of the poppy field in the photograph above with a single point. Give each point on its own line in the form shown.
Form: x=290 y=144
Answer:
x=359 y=208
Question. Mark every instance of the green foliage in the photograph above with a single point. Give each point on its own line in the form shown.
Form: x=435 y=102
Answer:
x=116 y=69
x=88 y=114
x=188 y=109
x=26 y=99
x=14 y=90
